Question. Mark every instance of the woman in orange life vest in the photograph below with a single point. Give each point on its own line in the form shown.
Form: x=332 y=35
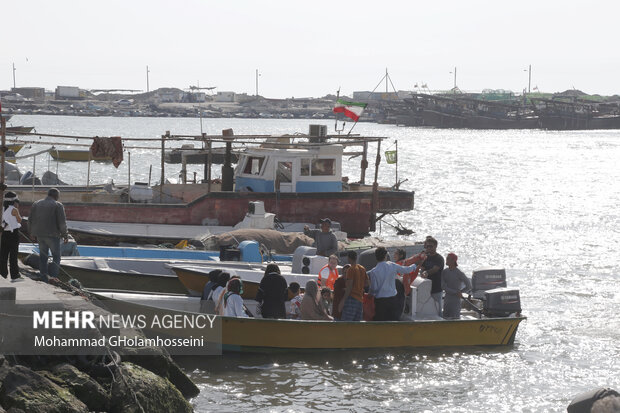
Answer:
x=399 y=258
x=329 y=273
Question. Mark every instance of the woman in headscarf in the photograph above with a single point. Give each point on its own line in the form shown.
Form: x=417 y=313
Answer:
x=232 y=302
x=311 y=309
x=272 y=293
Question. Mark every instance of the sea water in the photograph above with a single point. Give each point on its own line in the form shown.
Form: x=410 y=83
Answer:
x=541 y=204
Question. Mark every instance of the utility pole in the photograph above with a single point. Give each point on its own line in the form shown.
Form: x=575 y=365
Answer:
x=147 y=78
x=257 y=75
x=14 y=76
x=455 y=77
x=529 y=80
x=386 y=81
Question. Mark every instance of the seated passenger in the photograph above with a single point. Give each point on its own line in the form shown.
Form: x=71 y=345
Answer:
x=212 y=283
x=311 y=309
x=451 y=281
x=329 y=273
x=340 y=286
x=272 y=293
x=295 y=305
x=220 y=287
x=232 y=302
x=326 y=300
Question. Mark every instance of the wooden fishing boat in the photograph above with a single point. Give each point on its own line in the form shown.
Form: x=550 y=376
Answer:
x=197 y=156
x=194 y=278
x=16 y=130
x=68 y=155
x=269 y=335
x=298 y=184
x=145 y=274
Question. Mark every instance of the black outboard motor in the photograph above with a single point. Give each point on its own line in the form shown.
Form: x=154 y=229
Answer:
x=487 y=279
x=583 y=402
x=501 y=302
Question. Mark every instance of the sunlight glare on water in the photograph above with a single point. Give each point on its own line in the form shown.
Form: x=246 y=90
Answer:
x=542 y=204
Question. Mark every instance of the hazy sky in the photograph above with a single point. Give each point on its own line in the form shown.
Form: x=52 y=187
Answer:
x=311 y=48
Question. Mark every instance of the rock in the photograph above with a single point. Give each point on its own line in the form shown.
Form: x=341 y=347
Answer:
x=4 y=368
x=155 y=394
x=165 y=367
x=85 y=388
x=31 y=392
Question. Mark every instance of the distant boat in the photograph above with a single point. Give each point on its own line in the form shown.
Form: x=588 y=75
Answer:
x=67 y=155
x=197 y=156
x=15 y=130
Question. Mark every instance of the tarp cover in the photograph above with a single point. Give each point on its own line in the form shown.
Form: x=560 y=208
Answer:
x=280 y=242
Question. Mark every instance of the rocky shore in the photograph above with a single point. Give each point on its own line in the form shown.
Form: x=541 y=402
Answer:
x=132 y=382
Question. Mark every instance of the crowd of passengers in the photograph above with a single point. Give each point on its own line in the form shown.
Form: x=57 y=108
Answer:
x=355 y=295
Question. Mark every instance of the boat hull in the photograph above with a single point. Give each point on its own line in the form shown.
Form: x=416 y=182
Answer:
x=77 y=155
x=126 y=281
x=269 y=335
x=353 y=209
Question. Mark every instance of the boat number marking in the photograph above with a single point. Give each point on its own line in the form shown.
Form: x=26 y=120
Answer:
x=484 y=328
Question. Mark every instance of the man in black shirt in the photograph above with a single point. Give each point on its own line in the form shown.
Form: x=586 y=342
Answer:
x=431 y=269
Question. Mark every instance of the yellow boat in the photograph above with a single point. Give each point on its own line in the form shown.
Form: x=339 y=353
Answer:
x=67 y=155
x=194 y=278
x=269 y=335
x=15 y=147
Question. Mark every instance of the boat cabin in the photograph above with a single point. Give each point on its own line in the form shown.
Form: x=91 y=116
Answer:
x=311 y=169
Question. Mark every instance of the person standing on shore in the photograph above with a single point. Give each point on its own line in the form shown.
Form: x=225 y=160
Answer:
x=11 y=222
x=48 y=224
x=324 y=239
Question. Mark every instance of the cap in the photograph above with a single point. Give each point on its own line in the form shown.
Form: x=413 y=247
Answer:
x=453 y=255
x=327 y=220
x=10 y=196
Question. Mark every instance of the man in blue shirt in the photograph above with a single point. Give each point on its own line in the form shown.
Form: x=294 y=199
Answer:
x=383 y=286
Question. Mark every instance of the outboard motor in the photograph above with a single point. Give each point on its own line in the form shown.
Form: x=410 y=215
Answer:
x=367 y=259
x=487 y=279
x=501 y=302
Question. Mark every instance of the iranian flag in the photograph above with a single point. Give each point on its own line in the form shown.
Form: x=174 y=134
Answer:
x=351 y=110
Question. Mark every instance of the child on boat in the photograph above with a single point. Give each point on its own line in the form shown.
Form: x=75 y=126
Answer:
x=295 y=304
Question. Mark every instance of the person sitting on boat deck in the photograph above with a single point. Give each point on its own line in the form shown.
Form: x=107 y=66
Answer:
x=295 y=304
x=9 y=247
x=340 y=286
x=356 y=280
x=272 y=293
x=432 y=267
x=324 y=239
x=327 y=300
x=311 y=309
x=212 y=283
x=329 y=273
x=220 y=287
x=232 y=301
x=48 y=224
x=400 y=259
x=451 y=281
x=383 y=286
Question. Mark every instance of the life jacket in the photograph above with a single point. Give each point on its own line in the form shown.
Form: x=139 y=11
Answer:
x=331 y=275
x=408 y=278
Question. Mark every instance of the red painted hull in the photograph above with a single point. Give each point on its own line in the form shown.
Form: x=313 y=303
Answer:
x=352 y=209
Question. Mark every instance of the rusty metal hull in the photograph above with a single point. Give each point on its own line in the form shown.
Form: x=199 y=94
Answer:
x=353 y=209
